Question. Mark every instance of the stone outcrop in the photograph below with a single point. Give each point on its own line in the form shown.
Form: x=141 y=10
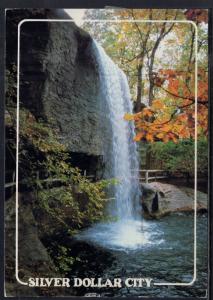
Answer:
x=160 y=199
x=59 y=81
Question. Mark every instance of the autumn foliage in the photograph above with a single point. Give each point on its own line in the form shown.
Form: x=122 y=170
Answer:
x=179 y=106
x=159 y=61
x=173 y=116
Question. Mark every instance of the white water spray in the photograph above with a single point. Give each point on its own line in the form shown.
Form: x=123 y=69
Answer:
x=115 y=92
x=127 y=233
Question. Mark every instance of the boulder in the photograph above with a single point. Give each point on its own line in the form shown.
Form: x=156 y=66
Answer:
x=160 y=199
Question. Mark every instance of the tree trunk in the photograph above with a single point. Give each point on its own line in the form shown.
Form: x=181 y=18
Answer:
x=152 y=59
x=138 y=105
x=162 y=35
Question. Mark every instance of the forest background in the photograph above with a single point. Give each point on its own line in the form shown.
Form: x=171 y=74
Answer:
x=159 y=60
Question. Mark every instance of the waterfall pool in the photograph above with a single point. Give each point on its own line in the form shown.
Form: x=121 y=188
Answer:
x=160 y=249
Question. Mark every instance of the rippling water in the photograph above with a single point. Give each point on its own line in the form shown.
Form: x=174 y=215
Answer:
x=161 y=249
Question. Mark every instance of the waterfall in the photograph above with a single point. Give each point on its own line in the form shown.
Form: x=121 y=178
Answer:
x=124 y=161
x=127 y=232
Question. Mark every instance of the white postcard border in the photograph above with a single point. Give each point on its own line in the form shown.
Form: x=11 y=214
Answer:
x=195 y=149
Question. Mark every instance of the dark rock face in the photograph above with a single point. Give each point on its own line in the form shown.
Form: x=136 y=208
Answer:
x=71 y=88
x=59 y=81
x=33 y=257
x=59 y=84
x=160 y=199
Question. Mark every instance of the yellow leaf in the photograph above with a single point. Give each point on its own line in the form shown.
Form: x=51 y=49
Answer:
x=157 y=104
x=128 y=117
x=160 y=135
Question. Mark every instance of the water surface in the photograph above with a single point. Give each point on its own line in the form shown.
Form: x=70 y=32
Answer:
x=160 y=249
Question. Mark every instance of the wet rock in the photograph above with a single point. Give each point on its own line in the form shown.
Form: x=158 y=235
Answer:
x=160 y=199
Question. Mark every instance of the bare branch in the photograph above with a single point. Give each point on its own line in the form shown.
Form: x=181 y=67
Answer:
x=200 y=101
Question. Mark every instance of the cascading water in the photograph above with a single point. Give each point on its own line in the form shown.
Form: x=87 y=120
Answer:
x=127 y=232
x=115 y=92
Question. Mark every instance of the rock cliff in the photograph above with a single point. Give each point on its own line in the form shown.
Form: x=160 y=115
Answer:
x=59 y=81
x=59 y=84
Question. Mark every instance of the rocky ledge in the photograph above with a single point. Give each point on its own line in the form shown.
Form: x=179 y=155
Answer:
x=160 y=199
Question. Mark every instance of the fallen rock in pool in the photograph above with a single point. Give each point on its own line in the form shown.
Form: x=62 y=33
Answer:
x=160 y=199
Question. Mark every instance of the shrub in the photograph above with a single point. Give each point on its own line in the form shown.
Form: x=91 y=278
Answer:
x=180 y=157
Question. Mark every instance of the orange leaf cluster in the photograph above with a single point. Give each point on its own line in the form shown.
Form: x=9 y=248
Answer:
x=173 y=116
